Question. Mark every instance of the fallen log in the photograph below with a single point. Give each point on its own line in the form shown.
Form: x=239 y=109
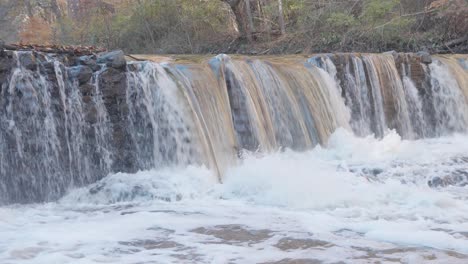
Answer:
x=58 y=49
x=456 y=42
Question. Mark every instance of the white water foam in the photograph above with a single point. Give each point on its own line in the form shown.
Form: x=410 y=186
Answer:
x=359 y=200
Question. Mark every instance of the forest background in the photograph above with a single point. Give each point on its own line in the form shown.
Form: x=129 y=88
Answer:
x=240 y=26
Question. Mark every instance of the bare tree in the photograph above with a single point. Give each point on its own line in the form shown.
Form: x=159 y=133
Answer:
x=243 y=13
x=281 y=17
x=251 y=27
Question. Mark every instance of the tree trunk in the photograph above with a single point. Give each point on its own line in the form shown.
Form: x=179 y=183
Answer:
x=266 y=22
x=55 y=9
x=29 y=8
x=281 y=17
x=250 y=28
x=239 y=13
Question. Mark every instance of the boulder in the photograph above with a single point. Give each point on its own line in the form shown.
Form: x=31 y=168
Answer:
x=425 y=57
x=89 y=61
x=113 y=84
x=392 y=52
x=86 y=60
x=82 y=73
x=114 y=59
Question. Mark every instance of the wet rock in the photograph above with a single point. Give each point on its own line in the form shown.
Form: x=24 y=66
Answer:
x=86 y=60
x=28 y=61
x=76 y=255
x=318 y=60
x=87 y=89
x=5 y=67
x=82 y=73
x=455 y=178
x=376 y=171
x=97 y=188
x=114 y=59
x=295 y=261
x=89 y=61
x=91 y=114
x=41 y=57
x=464 y=63
x=425 y=57
x=436 y=182
x=113 y=84
x=87 y=99
x=5 y=64
x=188 y=257
x=373 y=172
x=9 y=53
x=417 y=73
x=234 y=233
x=2 y=47
x=288 y=243
x=47 y=68
x=26 y=253
x=132 y=67
x=393 y=53
x=390 y=254
x=151 y=244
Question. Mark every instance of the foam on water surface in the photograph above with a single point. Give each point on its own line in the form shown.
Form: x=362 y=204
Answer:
x=358 y=200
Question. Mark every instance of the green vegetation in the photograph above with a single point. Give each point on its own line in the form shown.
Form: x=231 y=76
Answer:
x=245 y=26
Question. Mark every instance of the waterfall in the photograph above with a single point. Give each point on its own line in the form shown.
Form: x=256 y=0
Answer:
x=66 y=123
x=450 y=105
x=47 y=141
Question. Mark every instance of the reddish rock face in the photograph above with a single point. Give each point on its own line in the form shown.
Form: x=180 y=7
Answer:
x=80 y=8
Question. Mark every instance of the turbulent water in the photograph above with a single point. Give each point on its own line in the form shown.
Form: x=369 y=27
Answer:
x=336 y=158
x=359 y=200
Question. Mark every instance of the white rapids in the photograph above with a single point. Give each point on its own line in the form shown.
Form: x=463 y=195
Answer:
x=359 y=200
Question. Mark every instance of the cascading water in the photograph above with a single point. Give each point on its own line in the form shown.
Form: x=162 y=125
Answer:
x=160 y=121
x=381 y=97
x=46 y=144
x=450 y=105
x=381 y=141
x=60 y=130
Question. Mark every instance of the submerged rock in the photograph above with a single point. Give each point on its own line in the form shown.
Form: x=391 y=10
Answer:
x=289 y=243
x=457 y=178
x=232 y=234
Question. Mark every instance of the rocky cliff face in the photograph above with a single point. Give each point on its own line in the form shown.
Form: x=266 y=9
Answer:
x=62 y=118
